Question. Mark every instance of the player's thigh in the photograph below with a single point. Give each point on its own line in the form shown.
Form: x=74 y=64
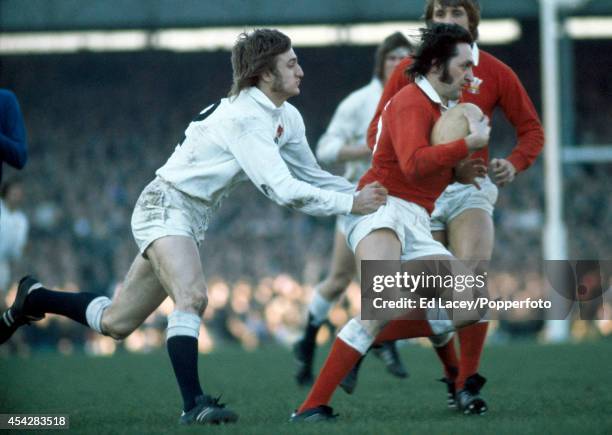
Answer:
x=471 y=235
x=140 y=294
x=380 y=244
x=176 y=262
x=343 y=259
x=342 y=269
x=440 y=236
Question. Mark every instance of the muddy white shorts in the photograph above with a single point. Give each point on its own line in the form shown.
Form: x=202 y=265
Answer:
x=162 y=210
x=409 y=221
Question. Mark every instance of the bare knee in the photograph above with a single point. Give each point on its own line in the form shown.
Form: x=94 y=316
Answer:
x=471 y=236
x=118 y=329
x=193 y=300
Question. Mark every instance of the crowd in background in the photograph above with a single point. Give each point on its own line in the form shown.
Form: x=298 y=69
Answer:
x=99 y=125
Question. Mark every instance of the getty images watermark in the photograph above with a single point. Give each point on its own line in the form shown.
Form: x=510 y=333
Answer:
x=429 y=289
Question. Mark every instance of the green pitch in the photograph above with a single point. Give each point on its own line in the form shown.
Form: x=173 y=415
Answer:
x=532 y=390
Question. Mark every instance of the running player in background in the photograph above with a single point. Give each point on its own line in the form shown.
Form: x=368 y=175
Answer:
x=462 y=219
x=345 y=142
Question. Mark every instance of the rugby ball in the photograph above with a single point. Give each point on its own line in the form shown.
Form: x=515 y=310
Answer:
x=453 y=125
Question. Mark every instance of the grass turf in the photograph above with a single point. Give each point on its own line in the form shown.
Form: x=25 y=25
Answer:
x=532 y=389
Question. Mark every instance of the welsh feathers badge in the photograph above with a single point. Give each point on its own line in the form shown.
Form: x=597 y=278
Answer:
x=474 y=87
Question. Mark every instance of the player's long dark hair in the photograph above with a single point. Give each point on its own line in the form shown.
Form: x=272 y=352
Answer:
x=472 y=7
x=438 y=46
x=255 y=53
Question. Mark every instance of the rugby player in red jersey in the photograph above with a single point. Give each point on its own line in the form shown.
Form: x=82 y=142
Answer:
x=415 y=174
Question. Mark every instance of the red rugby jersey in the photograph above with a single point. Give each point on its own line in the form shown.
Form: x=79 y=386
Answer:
x=404 y=161
x=498 y=86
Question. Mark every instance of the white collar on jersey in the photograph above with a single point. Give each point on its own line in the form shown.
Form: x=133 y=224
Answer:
x=428 y=89
x=475 y=54
x=255 y=93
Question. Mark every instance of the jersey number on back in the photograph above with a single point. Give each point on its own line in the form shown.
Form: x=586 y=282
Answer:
x=202 y=116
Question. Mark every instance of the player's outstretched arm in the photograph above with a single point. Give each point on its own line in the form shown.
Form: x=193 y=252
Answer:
x=259 y=157
x=302 y=163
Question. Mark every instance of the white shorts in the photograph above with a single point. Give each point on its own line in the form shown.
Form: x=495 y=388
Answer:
x=458 y=198
x=409 y=221
x=162 y=210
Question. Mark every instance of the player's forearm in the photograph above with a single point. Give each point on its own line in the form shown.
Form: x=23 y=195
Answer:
x=322 y=179
x=263 y=164
x=527 y=149
x=311 y=200
x=521 y=113
x=429 y=160
x=349 y=153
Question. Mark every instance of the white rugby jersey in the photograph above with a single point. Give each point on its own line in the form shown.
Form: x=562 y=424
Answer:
x=349 y=126
x=248 y=137
x=14 y=228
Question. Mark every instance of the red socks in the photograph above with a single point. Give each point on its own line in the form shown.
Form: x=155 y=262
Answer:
x=339 y=363
x=471 y=340
x=343 y=357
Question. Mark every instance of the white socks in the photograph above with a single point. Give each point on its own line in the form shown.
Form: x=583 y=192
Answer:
x=319 y=308
x=182 y=323
x=356 y=336
x=94 y=312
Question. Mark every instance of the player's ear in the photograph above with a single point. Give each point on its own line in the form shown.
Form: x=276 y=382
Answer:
x=267 y=76
x=436 y=67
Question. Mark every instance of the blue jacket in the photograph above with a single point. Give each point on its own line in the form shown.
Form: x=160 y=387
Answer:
x=13 y=147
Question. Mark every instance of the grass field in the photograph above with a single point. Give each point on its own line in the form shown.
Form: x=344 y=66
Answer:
x=532 y=390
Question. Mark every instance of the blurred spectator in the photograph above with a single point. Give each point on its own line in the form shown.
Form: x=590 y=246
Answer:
x=13 y=230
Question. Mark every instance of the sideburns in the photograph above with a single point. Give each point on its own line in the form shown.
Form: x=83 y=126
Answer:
x=277 y=83
x=445 y=76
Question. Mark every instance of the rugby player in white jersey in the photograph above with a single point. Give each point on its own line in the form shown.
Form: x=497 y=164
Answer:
x=253 y=134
